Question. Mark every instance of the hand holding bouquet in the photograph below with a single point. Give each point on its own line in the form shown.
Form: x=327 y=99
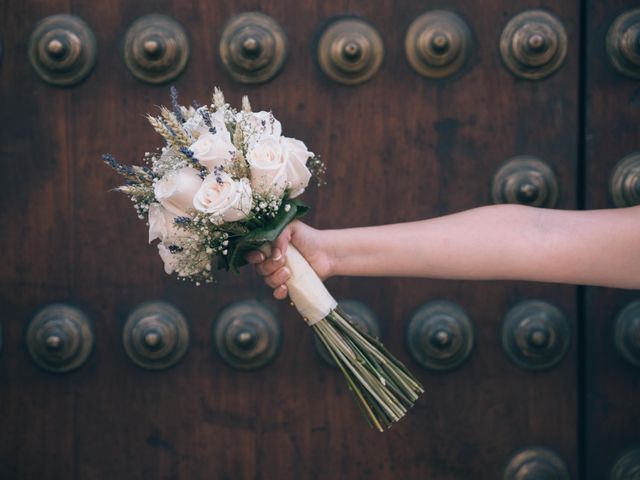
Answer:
x=226 y=183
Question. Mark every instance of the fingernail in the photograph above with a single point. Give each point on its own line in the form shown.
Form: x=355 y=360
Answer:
x=276 y=254
x=254 y=257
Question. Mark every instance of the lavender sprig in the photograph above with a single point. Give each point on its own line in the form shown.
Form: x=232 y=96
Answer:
x=175 y=106
x=206 y=117
x=195 y=163
x=135 y=175
x=124 y=170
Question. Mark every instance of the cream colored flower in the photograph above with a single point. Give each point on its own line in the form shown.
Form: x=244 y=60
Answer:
x=175 y=191
x=171 y=261
x=296 y=155
x=277 y=164
x=161 y=224
x=213 y=149
x=268 y=168
x=258 y=125
x=224 y=198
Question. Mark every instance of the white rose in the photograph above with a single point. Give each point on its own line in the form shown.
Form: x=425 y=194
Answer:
x=261 y=124
x=213 y=149
x=169 y=259
x=175 y=262
x=268 y=168
x=223 y=197
x=195 y=124
x=277 y=164
x=175 y=191
x=161 y=224
x=296 y=155
x=217 y=118
x=167 y=158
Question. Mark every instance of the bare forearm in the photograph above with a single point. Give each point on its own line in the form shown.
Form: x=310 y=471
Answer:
x=499 y=242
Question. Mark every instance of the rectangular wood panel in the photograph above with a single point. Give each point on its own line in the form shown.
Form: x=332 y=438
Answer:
x=612 y=114
x=399 y=147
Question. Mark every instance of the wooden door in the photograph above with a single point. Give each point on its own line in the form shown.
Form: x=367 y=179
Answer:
x=398 y=147
x=612 y=162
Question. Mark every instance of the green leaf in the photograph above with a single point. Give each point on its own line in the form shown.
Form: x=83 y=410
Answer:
x=267 y=234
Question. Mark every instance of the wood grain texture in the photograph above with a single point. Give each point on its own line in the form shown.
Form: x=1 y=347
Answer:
x=612 y=116
x=398 y=148
x=37 y=411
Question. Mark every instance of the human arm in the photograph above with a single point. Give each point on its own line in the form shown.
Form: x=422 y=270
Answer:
x=499 y=242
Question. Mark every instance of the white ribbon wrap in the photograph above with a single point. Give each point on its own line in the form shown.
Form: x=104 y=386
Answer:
x=307 y=292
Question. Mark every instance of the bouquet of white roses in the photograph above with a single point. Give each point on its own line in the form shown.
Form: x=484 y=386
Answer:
x=225 y=183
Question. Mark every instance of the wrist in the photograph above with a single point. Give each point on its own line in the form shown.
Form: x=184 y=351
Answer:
x=328 y=251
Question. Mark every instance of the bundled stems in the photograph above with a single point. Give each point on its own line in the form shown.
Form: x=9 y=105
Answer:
x=381 y=385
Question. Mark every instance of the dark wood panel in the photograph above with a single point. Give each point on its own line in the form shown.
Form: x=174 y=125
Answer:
x=612 y=115
x=398 y=148
x=37 y=411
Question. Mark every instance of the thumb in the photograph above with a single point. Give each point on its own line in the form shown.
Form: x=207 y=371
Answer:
x=283 y=240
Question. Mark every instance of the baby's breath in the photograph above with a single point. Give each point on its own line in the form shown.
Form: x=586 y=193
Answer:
x=318 y=169
x=266 y=207
x=170 y=159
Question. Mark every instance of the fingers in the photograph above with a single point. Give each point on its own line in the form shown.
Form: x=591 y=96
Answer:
x=266 y=266
x=271 y=264
x=278 y=278
x=255 y=257
x=278 y=250
x=282 y=242
x=273 y=269
x=281 y=292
